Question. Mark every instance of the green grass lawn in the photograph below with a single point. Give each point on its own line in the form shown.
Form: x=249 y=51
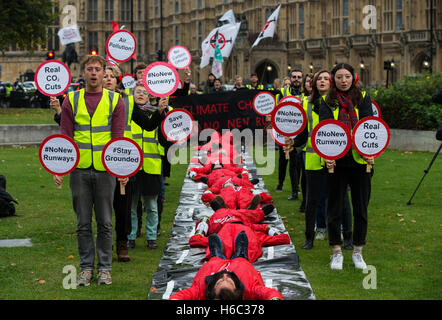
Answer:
x=26 y=116
x=403 y=241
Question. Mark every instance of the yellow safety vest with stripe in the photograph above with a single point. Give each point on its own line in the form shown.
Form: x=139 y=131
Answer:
x=286 y=92
x=259 y=86
x=91 y=134
x=128 y=109
x=312 y=159
x=356 y=156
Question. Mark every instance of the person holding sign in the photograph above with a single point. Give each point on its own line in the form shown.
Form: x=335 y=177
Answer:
x=346 y=103
x=92 y=117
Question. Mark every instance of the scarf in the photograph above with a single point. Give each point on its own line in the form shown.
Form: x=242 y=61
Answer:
x=347 y=113
x=148 y=107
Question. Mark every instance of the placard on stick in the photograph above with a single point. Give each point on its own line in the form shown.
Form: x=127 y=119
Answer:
x=289 y=118
x=376 y=109
x=160 y=79
x=178 y=125
x=122 y=158
x=179 y=57
x=52 y=78
x=264 y=103
x=290 y=99
x=59 y=154
x=121 y=46
x=331 y=140
x=370 y=138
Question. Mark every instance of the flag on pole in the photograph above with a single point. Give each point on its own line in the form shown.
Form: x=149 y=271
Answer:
x=217 y=64
x=269 y=28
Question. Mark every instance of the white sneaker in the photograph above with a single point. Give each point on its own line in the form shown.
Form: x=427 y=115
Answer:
x=336 y=261
x=359 y=261
x=320 y=235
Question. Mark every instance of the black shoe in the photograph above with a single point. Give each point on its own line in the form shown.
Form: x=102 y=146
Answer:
x=130 y=244
x=215 y=246
x=254 y=202
x=302 y=207
x=294 y=196
x=152 y=244
x=204 y=179
x=279 y=188
x=308 y=244
x=254 y=181
x=215 y=205
x=221 y=202
x=241 y=246
x=268 y=208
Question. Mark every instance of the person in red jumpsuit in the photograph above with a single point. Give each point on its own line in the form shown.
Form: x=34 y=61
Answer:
x=228 y=279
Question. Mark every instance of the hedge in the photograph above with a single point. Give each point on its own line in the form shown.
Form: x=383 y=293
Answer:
x=407 y=104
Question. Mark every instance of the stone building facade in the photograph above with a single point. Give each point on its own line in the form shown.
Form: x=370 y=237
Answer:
x=310 y=35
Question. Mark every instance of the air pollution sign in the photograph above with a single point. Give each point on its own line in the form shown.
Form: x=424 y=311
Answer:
x=121 y=46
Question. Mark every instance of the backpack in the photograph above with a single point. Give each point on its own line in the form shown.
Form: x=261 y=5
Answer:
x=7 y=208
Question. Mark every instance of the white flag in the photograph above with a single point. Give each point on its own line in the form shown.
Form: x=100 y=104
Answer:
x=269 y=28
x=217 y=64
x=69 y=34
x=226 y=39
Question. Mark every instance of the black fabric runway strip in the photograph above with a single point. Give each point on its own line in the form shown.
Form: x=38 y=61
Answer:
x=279 y=265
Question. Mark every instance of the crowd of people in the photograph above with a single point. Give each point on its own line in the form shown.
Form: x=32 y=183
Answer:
x=104 y=110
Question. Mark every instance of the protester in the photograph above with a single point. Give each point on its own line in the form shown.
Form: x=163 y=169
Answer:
x=92 y=187
x=295 y=88
x=238 y=84
x=254 y=82
x=209 y=83
x=217 y=86
x=346 y=103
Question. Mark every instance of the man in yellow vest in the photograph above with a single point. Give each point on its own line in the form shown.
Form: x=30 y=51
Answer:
x=254 y=82
x=92 y=117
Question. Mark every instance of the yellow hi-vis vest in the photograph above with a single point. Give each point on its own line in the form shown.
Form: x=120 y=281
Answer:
x=92 y=134
x=258 y=87
x=286 y=92
x=312 y=159
x=356 y=156
x=128 y=109
x=148 y=142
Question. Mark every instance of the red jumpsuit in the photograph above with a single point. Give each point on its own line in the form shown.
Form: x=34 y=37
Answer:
x=235 y=197
x=256 y=233
x=254 y=288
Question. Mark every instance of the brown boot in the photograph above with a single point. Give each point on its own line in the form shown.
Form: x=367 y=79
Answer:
x=254 y=202
x=122 y=252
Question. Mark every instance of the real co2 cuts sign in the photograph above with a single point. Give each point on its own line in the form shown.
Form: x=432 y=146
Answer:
x=59 y=154
x=289 y=118
x=264 y=103
x=179 y=57
x=370 y=137
x=52 y=78
x=122 y=158
x=121 y=46
x=160 y=79
x=331 y=140
x=178 y=125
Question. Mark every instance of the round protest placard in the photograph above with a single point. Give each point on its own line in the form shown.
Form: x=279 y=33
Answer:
x=264 y=103
x=128 y=81
x=331 y=140
x=122 y=158
x=52 y=78
x=59 y=154
x=160 y=79
x=179 y=57
x=277 y=137
x=370 y=137
x=376 y=109
x=178 y=125
x=121 y=46
x=289 y=118
x=290 y=99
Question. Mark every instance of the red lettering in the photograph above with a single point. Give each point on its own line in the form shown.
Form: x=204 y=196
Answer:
x=244 y=105
x=213 y=125
x=202 y=110
x=246 y=121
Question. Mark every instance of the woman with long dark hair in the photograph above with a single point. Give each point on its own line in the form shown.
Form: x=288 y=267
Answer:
x=348 y=104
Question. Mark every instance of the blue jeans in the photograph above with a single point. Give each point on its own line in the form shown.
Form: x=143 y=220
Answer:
x=151 y=207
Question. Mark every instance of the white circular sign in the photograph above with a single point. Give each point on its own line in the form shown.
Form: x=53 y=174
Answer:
x=59 y=154
x=52 y=78
x=160 y=79
x=179 y=57
x=290 y=99
x=331 y=139
x=178 y=125
x=121 y=46
x=128 y=81
x=376 y=109
x=289 y=119
x=371 y=136
x=264 y=103
x=277 y=137
x=122 y=157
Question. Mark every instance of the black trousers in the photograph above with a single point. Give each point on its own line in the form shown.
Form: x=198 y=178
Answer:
x=360 y=186
x=282 y=168
x=122 y=205
x=315 y=183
